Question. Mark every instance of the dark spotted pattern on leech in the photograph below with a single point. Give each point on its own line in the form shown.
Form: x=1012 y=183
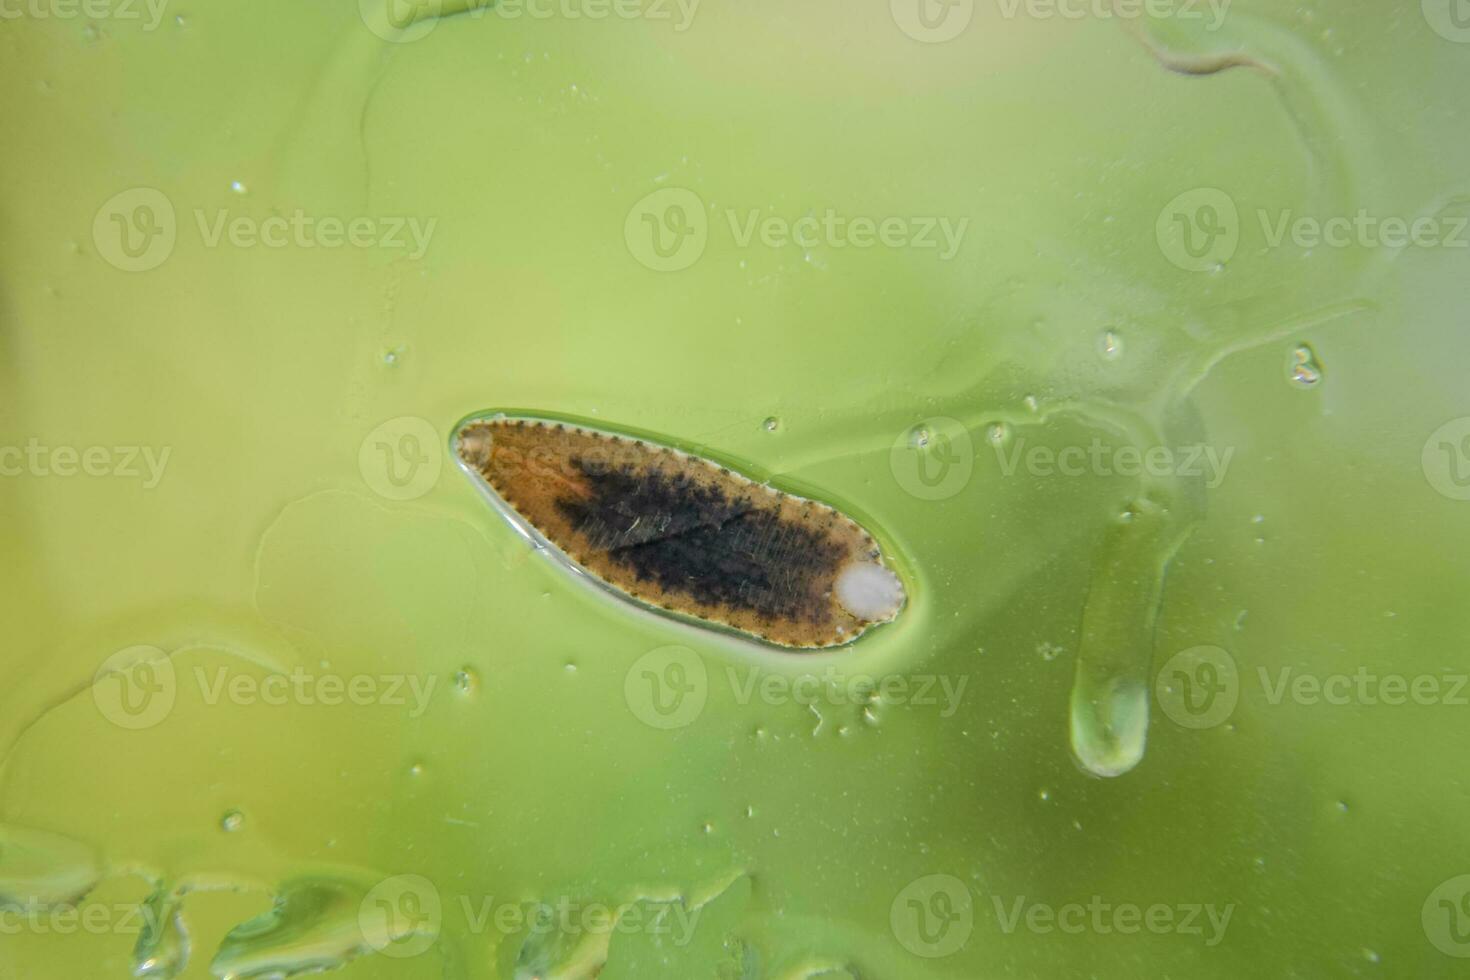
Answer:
x=695 y=539
x=679 y=534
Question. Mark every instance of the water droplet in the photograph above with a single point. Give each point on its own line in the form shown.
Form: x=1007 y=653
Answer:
x=417 y=769
x=1044 y=795
x=708 y=828
x=1048 y=651
x=570 y=667
x=238 y=187
x=162 y=949
x=772 y=424
x=392 y=355
x=920 y=437
x=1371 y=955
x=232 y=821
x=181 y=21
x=1303 y=368
x=40 y=869
x=466 y=681
x=1031 y=403
x=997 y=432
x=1342 y=806
x=1111 y=345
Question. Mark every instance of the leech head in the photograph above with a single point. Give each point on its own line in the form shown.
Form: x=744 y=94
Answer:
x=869 y=591
x=475 y=442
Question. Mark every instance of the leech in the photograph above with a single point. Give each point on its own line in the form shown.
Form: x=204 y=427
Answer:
x=683 y=535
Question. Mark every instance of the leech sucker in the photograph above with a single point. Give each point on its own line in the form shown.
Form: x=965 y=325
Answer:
x=685 y=535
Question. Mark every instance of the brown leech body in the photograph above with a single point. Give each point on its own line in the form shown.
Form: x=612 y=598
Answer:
x=685 y=535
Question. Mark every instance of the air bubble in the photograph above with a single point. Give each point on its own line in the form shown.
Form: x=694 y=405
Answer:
x=1303 y=368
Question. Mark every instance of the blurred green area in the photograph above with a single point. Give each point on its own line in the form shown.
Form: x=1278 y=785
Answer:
x=601 y=215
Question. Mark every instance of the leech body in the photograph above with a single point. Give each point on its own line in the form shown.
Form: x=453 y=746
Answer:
x=684 y=535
